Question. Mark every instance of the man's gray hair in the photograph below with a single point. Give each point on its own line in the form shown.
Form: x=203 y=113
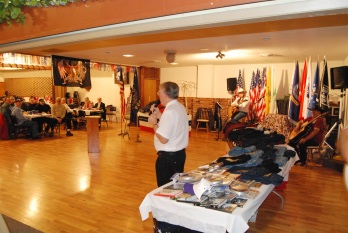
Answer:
x=171 y=89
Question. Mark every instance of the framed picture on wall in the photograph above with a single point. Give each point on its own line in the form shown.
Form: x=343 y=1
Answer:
x=121 y=74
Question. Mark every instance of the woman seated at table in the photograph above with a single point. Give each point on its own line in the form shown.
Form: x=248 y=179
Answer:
x=88 y=104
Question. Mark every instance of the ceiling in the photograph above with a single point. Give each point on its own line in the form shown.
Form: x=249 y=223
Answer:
x=263 y=33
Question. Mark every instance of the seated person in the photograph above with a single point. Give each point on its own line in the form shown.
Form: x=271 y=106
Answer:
x=88 y=104
x=101 y=106
x=31 y=106
x=312 y=138
x=23 y=121
x=59 y=115
x=6 y=109
x=240 y=107
x=70 y=112
x=42 y=107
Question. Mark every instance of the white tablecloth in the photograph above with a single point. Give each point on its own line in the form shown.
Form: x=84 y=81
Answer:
x=203 y=219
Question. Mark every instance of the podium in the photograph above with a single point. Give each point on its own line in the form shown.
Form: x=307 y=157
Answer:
x=93 y=133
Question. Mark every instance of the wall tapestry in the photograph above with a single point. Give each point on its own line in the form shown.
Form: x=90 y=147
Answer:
x=71 y=72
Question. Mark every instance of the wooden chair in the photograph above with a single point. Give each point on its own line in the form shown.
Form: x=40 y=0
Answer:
x=203 y=120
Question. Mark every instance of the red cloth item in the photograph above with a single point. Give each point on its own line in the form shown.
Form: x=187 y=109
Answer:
x=3 y=128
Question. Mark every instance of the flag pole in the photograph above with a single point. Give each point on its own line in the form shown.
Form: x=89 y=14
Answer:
x=138 y=136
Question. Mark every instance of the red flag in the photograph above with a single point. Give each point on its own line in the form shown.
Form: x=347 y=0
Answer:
x=260 y=100
x=302 y=92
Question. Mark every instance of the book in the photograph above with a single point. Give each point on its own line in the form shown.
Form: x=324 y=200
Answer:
x=172 y=193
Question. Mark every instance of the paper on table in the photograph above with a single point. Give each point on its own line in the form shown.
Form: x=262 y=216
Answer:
x=87 y=112
x=202 y=186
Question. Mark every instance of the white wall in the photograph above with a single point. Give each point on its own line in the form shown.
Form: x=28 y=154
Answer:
x=212 y=80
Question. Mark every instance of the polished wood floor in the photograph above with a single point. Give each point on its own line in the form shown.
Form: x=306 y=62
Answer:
x=54 y=185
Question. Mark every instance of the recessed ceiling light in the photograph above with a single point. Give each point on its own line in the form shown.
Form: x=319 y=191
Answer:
x=205 y=49
x=174 y=63
x=128 y=55
x=265 y=38
x=107 y=52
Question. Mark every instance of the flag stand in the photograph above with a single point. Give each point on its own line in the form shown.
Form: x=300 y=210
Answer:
x=138 y=136
x=338 y=122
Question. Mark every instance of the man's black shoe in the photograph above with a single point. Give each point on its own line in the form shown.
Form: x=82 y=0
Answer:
x=68 y=133
x=297 y=162
x=51 y=134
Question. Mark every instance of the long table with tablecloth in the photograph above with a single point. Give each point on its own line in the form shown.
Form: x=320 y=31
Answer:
x=207 y=220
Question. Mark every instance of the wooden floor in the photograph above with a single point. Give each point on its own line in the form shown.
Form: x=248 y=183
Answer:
x=54 y=185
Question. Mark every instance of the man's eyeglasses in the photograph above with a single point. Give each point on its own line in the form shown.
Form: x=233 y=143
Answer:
x=160 y=92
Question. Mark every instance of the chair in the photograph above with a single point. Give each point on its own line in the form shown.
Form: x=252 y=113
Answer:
x=110 y=112
x=17 y=129
x=316 y=150
x=203 y=120
x=81 y=119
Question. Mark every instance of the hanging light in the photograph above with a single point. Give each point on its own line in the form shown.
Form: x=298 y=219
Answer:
x=170 y=55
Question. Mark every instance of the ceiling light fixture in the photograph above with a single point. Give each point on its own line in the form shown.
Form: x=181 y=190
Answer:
x=170 y=55
x=220 y=55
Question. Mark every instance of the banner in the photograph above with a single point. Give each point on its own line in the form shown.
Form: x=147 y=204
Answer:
x=71 y=72
x=307 y=94
x=119 y=77
x=294 y=104
x=324 y=95
x=135 y=106
x=315 y=88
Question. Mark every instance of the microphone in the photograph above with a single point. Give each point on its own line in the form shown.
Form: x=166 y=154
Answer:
x=156 y=104
x=219 y=105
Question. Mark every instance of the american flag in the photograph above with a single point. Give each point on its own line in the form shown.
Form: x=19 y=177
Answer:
x=260 y=100
x=239 y=84
x=252 y=94
x=123 y=101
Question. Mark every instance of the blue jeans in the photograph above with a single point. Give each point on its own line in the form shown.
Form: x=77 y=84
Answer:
x=238 y=116
x=237 y=150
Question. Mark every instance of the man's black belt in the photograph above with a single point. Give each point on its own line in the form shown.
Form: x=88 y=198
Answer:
x=165 y=153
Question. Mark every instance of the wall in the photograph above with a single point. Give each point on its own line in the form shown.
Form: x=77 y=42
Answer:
x=211 y=80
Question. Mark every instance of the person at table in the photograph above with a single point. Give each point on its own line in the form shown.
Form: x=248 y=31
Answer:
x=5 y=110
x=31 y=106
x=44 y=108
x=313 y=138
x=240 y=107
x=171 y=133
x=24 y=121
x=70 y=113
x=59 y=115
x=47 y=99
x=101 y=106
x=88 y=104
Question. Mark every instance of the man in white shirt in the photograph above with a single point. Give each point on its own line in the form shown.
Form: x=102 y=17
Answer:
x=240 y=106
x=171 y=133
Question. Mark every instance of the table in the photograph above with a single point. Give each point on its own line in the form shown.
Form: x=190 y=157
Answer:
x=32 y=116
x=93 y=133
x=207 y=220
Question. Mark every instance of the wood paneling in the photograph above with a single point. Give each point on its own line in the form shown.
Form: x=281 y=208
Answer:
x=34 y=86
x=47 y=21
x=149 y=83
